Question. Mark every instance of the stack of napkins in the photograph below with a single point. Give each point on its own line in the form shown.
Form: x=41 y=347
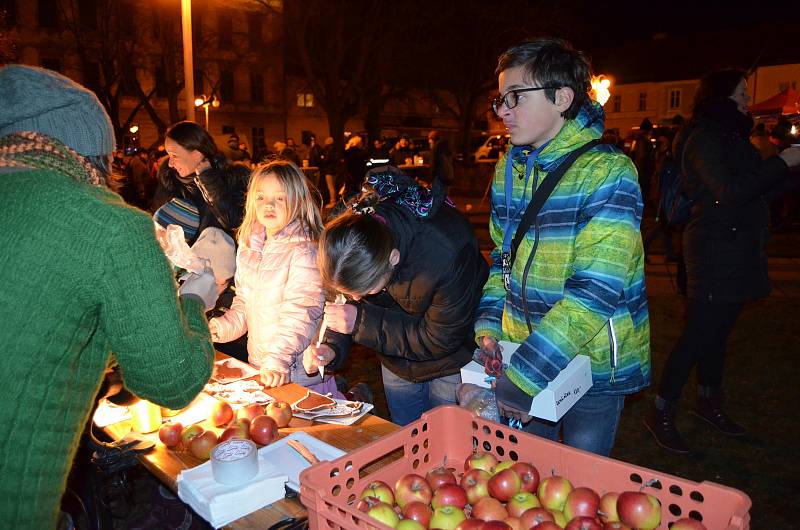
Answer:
x=220 y=504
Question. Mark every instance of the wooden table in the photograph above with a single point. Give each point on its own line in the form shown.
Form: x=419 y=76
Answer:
x=166 y=463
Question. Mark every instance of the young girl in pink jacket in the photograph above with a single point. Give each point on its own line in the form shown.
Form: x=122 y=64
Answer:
x=279 y=298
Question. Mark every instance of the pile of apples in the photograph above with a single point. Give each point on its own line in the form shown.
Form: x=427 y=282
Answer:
x=252 y=422
x=492 y=495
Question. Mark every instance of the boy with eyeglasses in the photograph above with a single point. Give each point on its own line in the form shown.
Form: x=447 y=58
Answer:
x=574 y=283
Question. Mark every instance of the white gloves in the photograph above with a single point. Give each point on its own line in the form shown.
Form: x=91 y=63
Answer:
x=201 y=285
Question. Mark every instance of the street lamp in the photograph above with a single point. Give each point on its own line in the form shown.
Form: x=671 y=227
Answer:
x=188 y=63
x=206 y=103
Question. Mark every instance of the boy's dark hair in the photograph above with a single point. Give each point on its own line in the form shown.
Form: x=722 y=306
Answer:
x=552 y=62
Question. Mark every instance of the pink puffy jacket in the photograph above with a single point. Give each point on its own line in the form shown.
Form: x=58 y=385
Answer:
x=279 y=299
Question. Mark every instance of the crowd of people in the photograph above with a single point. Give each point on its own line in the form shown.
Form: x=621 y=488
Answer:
x=225 y=247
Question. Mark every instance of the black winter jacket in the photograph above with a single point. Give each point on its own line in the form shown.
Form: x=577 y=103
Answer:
x=218 y=193
x=421 y=325
x=725 y=238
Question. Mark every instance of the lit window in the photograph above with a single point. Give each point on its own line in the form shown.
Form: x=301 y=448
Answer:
x=675 y=98
x=305 y=99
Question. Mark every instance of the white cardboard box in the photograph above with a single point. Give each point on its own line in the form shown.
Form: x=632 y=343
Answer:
x=557 y=398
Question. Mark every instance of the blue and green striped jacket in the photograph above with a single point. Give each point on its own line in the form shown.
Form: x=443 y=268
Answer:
x=584 y=286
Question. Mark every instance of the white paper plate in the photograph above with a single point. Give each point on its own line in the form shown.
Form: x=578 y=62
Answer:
x=289 y=461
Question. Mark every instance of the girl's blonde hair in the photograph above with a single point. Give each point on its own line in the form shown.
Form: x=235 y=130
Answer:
x=300 y=203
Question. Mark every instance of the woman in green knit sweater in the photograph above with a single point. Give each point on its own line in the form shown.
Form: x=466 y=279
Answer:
x=82 y=277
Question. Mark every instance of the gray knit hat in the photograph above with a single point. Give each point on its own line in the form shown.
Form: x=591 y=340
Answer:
x=43 y=101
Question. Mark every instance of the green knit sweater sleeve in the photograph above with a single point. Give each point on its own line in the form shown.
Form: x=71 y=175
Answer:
x=160 y=341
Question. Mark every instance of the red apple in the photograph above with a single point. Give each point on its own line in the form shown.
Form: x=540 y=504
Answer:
x=476 y=483
x=639 y=510
x=201 y=445
x=380 y=490
x=419 y=512
x=581 y=501
x=504 y=484
x=687 y=523
x=607 y=509
x=380 y=511
x=239 y=428
x=170 y=434
x=528 y=474
x=496 y=525
x=250 y=411
x=409 y=524
x=449 y=495
x=520 y=502
x=221 y=413
x=280 y=411
x=533 y=517
x=583 y=522
x=188 y=433
x=439 y=476
x=480 y=460
x=489 y=509
x=553 y=492
x=446 y=518
x=263 y=430
x=410 y=488
x=471 y=524
x=616 y=525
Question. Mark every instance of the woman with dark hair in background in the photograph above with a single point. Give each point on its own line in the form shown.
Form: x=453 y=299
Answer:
x=724 y=246
x=196 y=171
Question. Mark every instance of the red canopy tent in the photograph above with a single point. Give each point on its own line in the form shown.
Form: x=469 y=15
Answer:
x=784 y=102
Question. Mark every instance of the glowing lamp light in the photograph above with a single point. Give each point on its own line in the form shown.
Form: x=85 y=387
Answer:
x=199 y=102
x=600 y=89
x=134 y=129
x=145 y=416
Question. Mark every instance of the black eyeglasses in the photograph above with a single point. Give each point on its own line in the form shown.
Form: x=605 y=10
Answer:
x=511 y=98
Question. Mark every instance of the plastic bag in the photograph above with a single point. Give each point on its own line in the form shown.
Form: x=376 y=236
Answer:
x=479 y=400
x=179 y=253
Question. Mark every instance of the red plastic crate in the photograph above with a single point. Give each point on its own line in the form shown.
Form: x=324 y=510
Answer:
x=449 y=434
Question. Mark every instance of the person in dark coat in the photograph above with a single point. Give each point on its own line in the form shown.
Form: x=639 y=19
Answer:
x=410 y=264
x=197 y=171
x=441 y=157
x=724 y=246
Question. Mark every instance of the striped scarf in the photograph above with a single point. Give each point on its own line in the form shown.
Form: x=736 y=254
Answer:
x=32 y=150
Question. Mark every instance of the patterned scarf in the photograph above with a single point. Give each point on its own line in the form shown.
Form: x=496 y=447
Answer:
x=33 y=150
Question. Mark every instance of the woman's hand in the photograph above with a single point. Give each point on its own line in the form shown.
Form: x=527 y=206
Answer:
x=340 y=317
x=271 y=378
x=316 y=356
